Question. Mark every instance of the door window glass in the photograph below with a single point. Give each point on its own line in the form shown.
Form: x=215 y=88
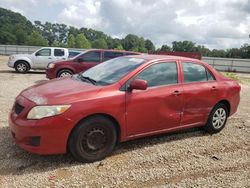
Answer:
x=59 y=52
x=90 y=57
x=44 y=52
x=111 y=55
x=195 y=73
x=210 y=76
x=160 y=74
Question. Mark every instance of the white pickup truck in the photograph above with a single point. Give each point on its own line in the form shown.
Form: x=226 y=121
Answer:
x=37 y=60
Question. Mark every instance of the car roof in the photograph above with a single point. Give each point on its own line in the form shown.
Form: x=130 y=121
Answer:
x=149 y=57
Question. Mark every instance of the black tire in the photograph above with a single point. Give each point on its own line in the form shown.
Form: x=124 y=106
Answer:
x=64 y=72
x=22 y=67
x=93 y=139
x=217 y=119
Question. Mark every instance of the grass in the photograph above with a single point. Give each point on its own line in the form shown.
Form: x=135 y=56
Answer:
x=231 y=75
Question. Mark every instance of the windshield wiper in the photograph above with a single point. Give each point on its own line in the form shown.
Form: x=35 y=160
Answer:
x=88 y=79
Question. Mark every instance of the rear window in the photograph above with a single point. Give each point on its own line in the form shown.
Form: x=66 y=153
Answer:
x=195 y=73
x=111 y=55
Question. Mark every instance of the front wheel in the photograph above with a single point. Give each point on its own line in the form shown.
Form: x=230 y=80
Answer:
x=93 y=139
x=64 y=72
x=22 y=67
x=217 y=118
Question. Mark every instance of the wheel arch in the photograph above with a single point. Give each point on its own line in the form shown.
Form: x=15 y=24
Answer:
x=110 y=117
x=22 y=60
x=227 y=104
x=64 y=68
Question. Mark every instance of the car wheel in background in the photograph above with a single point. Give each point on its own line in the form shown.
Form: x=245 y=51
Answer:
x=64 y=72
x=217 y=118
x=22 y=67
x=93 y=139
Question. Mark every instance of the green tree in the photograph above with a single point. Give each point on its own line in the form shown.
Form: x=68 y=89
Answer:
x=7 y=38
x=14 y=27
x=149 y=45
x=183 y=46
x=36 y=39
x=100 y=43
x=82 y=42
x=119 y=47
x=165 y=48
x=71 y=41
x=218 y=53
x=134 y=43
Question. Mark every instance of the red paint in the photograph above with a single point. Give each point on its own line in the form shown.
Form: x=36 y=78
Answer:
x=139 y=113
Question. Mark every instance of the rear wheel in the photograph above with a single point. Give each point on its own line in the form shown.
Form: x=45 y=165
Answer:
x=93 y=139
x=217 y=118
x=64 y=72
x=22 y=67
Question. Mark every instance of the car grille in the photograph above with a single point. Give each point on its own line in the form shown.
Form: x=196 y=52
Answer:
x=18 y=108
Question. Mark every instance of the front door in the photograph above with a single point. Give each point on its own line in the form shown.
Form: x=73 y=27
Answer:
x=42 y=57
x=88 y=60
x=158 y=107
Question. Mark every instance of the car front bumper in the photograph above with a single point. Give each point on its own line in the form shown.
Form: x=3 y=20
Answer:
x=50 y=73
x=44 y=136
x=11 y=63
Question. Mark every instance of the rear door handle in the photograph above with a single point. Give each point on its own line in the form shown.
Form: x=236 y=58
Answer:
x=176 y=93
x=49 y=58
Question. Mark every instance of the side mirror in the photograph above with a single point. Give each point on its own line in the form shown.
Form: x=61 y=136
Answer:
x=79 y=60
x=138 y=84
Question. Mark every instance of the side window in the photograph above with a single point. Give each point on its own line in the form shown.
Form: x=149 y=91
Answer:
x=195 y=73
x=91 y=57
x=111 y=55
x=209 y=76
x=159 y=74
x=58 y=52
x=44 y=52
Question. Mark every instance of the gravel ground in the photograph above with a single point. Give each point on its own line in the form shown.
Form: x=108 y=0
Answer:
x=188 y=159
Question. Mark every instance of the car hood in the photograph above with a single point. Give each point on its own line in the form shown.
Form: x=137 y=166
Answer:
x=60 y=91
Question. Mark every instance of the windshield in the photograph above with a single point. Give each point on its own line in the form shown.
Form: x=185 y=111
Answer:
x=113 y=70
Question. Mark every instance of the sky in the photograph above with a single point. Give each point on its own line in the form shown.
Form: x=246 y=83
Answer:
x=219 y=24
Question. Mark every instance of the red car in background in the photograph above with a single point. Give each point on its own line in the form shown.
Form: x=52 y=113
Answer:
x=119 y=100
x=82 y=62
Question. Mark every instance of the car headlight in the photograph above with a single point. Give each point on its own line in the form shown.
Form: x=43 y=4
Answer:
x=39 y=112
x=11 y=57
x=51 y=65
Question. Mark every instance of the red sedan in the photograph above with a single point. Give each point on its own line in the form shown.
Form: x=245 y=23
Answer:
x=119 y=100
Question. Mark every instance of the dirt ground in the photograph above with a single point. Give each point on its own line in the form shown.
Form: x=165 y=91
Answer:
x=188 y=159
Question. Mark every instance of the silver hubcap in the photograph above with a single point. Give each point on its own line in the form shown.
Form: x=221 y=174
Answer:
x=65 y=74
x=219 y=118
x=21 y=67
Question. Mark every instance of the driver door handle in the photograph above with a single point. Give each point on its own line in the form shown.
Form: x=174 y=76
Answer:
x=176 y=93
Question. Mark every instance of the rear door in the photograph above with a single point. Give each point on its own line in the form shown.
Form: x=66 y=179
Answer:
x=59 y=53
x=158 y=107
x=200 y=92
x=88 y=60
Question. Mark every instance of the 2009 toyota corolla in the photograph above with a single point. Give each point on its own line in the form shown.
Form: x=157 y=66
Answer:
x=119 y=100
